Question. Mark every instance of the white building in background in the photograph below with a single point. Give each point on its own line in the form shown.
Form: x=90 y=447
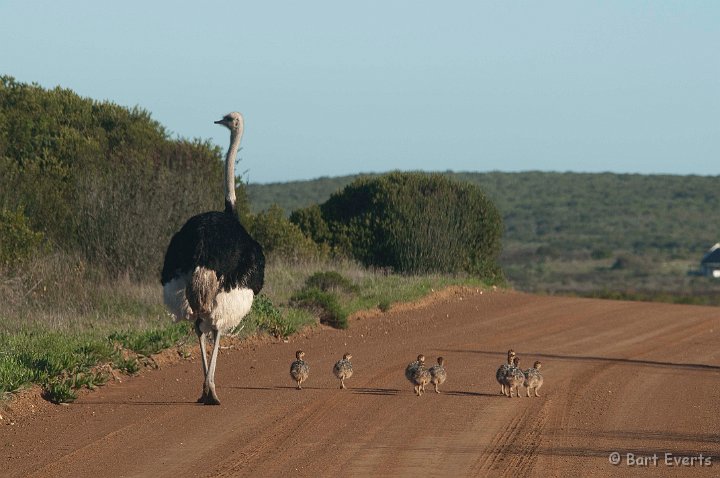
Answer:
x=710 y=263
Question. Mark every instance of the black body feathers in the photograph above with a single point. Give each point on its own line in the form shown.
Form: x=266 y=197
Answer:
x=216 y=241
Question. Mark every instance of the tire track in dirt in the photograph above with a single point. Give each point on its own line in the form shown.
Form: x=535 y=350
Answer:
x=592 y=381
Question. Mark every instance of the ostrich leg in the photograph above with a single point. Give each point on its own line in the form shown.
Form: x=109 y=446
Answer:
x=203 y=352
x=211 y=397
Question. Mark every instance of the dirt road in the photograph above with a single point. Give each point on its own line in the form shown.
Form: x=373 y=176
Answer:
x=619 y=376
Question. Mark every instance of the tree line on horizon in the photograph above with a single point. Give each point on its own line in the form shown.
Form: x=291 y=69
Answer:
x=566 y=214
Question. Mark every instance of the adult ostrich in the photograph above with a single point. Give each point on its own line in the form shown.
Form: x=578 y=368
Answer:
x=213 y=268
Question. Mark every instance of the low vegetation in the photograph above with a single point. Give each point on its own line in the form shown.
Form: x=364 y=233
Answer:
x=322 y=303
x=67 y=344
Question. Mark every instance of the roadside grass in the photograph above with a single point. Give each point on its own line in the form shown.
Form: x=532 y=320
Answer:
x=64 y=342
x=385 y=291
x=265 y=317
x=62 y=361
x=153 y=340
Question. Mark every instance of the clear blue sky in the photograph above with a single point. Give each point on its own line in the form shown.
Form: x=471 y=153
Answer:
x=332 y=87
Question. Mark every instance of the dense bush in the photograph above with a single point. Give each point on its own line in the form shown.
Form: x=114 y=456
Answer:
x=321 y=296
x=280 y=238
x=411 y=222
x=329 y=281
x=18 y=240
x=325 y=304
x=99 y=179
x=311 y=221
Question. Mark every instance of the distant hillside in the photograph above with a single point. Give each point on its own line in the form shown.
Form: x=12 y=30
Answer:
x=577 y=231
x=294 y=195
x=640 y=213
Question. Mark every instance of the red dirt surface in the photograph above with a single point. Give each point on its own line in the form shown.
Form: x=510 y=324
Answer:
x=624 y=377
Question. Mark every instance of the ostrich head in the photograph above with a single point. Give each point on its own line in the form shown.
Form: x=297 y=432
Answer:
x=347 y=356
x=537 y=365
x=421 y=358
x=232 y=121
x=441 y=361
x=511 y=353
x=299 y=354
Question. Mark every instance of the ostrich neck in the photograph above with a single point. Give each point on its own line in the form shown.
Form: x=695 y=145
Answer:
x=235 y=137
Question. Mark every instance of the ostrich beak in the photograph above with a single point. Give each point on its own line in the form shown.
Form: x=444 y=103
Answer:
x=219 y=122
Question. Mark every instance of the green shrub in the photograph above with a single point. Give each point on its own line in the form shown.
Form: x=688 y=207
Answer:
x=384 y=305
x=90 y=380
x=413 y=223
x=280 y=238
x=268 y=318
x=310 y=220
x=329 y=281
x=19 y=241
x=325 y=304
x=59 y=391
x=128 y=365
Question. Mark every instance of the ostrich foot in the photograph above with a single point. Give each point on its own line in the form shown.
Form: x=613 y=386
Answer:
x=211 y=398
x=205 y=393
x=212 y=401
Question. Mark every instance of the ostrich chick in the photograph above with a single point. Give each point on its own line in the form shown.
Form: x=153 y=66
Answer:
x=410 y=369
x=503 y=371
x=343 y=369
x=514 y=378
x=299 y=370
x=438 y=373
x=533 y=378
x=418 y=375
